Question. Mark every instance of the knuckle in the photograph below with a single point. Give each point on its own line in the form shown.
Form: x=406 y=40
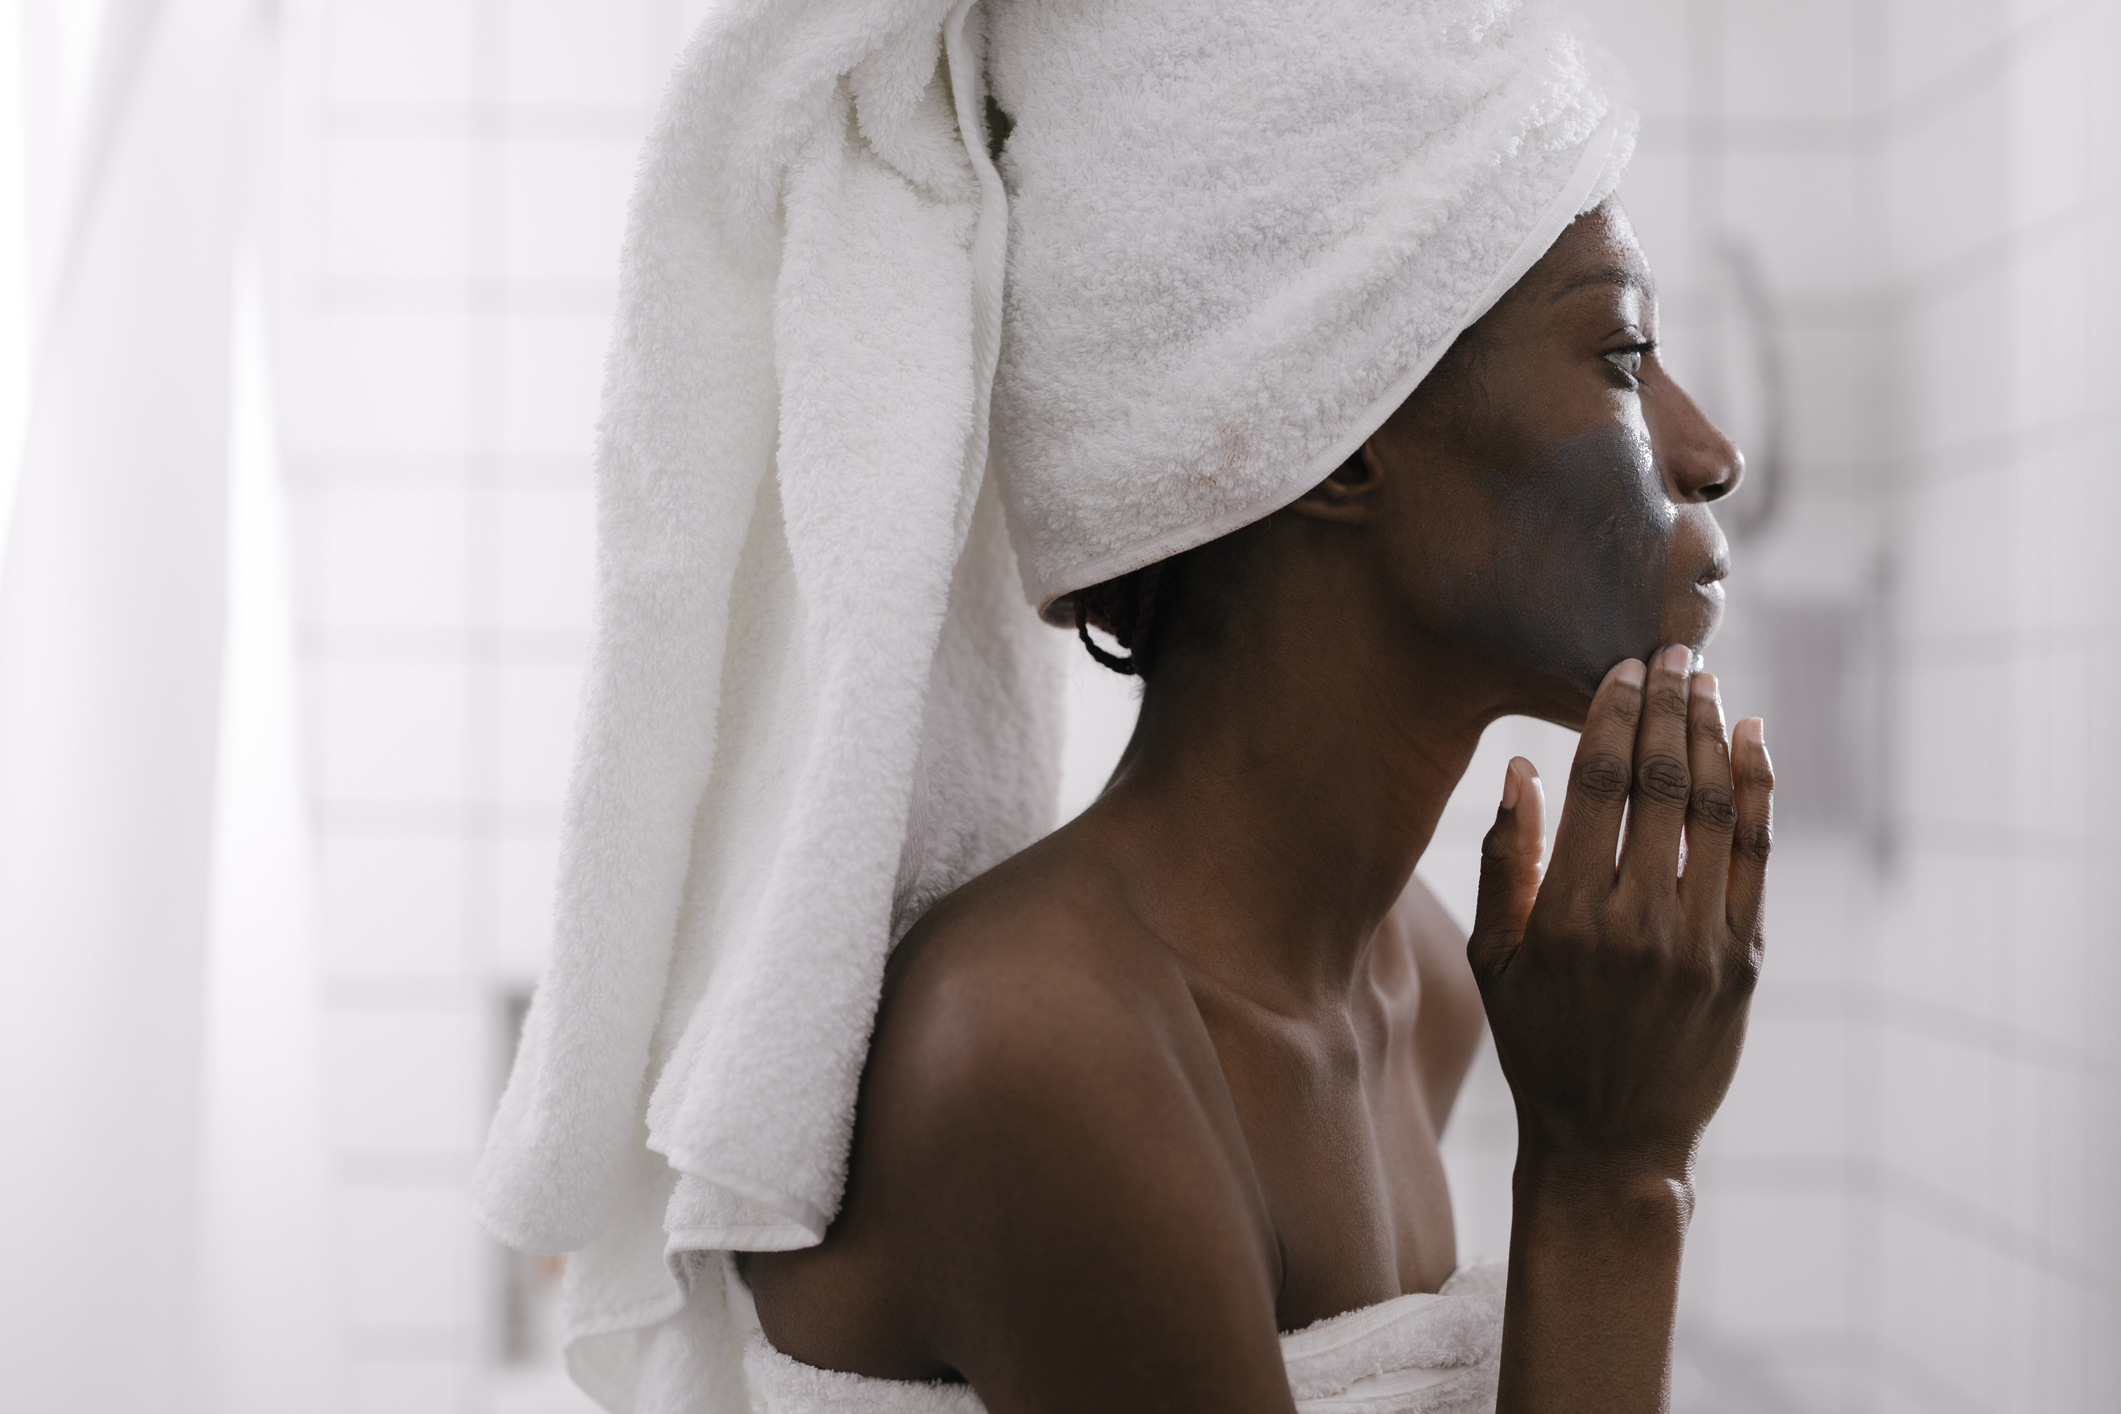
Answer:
x=1715 y=807
x=1695 y=967
x=1495 y=845
x=1707 y=727
x=1740 y=973
x=1670 y=704
x=1743 y=976
x=1488 y=952
x=1625 y=708
x=1601 y=775
x=1662 y=778
x=1755 y=842
x=1759 y=775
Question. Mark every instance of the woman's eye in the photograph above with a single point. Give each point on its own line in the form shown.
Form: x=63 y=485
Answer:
x=1628 y=361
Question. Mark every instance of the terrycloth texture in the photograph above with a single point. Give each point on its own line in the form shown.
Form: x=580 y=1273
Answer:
x=1424 y=1354
x=816 y=700
x=1241 y=231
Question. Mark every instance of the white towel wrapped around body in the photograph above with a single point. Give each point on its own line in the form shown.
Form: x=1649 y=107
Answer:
x=1423 y=1353
x=1237 y=232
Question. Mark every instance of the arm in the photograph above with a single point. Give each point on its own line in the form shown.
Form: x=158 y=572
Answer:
x=1448 y=1022
x=1618 y=996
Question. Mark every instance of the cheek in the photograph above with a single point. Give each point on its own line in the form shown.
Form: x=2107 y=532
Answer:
x=1585 y=536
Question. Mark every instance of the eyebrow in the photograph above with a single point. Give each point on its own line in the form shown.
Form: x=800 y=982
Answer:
x=1629 y=277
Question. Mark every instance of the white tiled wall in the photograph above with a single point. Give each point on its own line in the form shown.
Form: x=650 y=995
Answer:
x=1992 y=1164
x=464 y=166
x=1907 y=1203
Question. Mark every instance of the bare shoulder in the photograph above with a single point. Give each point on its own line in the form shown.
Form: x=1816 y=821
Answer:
x=1438 y=946
x=1049 y=1192
x=1032 y=1022
x=1038 y=956
x=1431 y=952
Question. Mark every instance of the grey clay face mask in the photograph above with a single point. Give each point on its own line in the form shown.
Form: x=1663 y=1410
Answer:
x=1579 y=570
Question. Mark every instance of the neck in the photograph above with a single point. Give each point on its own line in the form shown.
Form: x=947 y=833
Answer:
x=1283 y=782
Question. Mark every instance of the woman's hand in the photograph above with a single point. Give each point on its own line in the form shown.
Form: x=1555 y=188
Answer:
x=1617 y=993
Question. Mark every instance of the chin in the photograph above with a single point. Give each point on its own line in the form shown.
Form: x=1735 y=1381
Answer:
x=1694 y=619
x=1567 y=702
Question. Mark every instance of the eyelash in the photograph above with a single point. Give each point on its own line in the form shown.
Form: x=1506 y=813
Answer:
x=1634 y=377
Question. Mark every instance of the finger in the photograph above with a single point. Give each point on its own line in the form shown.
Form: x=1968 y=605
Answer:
x=1509 y=869
x=1657 y=800
x=1753 y=784
x=1591 y=812
x=1712 y=810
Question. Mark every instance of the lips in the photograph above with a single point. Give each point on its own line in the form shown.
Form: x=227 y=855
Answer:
x=1700 y=611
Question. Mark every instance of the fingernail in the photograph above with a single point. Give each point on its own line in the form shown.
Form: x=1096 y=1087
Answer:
x=1675 y=658
x=1704 y=685
x=1509 y=786
x=1630 y=672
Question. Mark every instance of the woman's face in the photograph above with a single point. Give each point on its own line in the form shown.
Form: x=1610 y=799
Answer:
x=1546 y=500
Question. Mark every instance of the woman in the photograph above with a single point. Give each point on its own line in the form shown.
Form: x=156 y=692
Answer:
x=1171 y=1080
x=1327 y=380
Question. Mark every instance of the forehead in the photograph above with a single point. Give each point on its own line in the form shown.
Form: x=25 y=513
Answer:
x=1598 y=249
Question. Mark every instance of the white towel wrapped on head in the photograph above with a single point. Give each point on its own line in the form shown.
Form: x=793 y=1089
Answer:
x=1238 y=232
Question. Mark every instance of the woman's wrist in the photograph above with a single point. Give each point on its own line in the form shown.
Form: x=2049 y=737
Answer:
x=1637 y=1192
x=1595 y=1249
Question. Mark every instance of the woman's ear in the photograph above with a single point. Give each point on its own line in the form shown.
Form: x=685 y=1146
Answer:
x=1350 y=495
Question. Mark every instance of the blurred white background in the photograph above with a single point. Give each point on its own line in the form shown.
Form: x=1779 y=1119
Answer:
x=261 y=964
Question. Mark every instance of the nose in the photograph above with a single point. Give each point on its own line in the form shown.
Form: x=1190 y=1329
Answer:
x=1700 y=463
